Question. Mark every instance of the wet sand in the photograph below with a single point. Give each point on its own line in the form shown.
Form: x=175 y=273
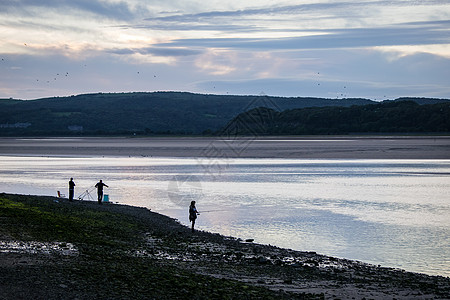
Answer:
x=314 y=147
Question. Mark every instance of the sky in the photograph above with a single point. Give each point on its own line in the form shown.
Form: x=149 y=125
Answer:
x=372 y=49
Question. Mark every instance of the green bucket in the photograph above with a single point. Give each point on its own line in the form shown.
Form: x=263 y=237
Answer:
x=105 y=198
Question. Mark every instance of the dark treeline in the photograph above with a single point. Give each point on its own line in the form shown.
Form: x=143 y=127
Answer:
x=138 y=113
x=386 y=117
x=164 y=113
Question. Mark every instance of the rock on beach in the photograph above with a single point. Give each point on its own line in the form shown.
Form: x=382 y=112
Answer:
x=68 y=250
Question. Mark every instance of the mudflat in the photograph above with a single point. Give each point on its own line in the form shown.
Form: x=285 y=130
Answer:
x=318 y=147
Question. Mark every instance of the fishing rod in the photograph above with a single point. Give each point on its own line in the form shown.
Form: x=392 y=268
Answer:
x=214 y=210
x=87 y=193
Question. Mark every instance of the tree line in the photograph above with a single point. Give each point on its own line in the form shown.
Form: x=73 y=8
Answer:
x=178 y=113
x=386 y=117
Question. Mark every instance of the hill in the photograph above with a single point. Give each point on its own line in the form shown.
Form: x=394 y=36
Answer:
x=385 y=117
x=142 y=113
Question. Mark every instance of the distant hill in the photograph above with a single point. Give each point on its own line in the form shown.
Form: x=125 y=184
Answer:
x=421 y=101
x=385 y=117
x=143 y=113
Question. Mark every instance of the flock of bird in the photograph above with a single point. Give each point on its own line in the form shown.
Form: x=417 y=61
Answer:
x=66 y=74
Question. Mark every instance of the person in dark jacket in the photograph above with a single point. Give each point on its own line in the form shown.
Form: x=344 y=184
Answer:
x=99 y=187
x=71 y=189
x=193 y=214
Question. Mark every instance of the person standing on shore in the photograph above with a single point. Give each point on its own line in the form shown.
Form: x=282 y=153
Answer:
x=71 y=189
x=193 y=214
x=99 y=187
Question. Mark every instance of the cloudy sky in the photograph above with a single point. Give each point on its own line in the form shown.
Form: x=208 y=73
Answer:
x=373 y=49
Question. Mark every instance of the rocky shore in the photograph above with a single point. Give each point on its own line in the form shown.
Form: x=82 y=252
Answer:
x=51 y=248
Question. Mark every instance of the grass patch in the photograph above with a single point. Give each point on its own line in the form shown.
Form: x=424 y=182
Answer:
x=50 y=221
x=104 y=269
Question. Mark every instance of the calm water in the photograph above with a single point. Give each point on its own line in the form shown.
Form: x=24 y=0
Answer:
x=390 y=212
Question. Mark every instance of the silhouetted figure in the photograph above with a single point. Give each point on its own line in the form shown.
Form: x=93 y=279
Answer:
x=193 y=214
x=99 y=187
x=71 y=189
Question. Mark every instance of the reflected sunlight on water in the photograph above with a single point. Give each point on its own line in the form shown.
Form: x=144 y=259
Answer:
x=390 y=212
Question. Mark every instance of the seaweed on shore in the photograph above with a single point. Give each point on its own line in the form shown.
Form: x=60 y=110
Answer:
x=51 y=248
x=102 y=267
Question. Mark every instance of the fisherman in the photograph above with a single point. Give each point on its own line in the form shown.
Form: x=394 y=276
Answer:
x=99 y=187
x=193 y=214
x=71 y=189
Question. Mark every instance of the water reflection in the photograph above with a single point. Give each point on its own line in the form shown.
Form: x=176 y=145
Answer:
x=389 y=212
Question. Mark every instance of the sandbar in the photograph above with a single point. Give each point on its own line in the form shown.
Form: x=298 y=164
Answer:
x=307 y=147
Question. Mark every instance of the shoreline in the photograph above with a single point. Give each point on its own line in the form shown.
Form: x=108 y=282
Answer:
x=305 y=147
x=162 y=242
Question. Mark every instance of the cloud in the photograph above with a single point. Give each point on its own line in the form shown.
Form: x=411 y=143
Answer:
x=157 y=51
x=169 y=51
x=115 y=10
x=323 y=15
x=231 y=28
x=300 y=9
x=338 y=74
x=403 y=34
x=332 y=73
x=217 y=47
